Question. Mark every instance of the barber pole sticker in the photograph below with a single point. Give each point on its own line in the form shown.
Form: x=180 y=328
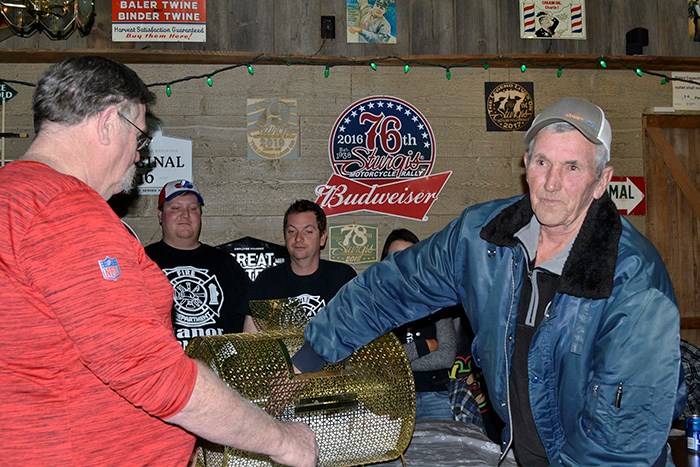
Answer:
x=528 y=19
x=629 y=195
x=382 y=151
x=552 y=19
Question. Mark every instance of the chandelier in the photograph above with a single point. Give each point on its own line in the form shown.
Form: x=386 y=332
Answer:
x=57 y=17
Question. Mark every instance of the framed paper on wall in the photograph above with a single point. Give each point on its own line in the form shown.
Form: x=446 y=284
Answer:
x=552 y=19
x=694 y=20
x=371 y=21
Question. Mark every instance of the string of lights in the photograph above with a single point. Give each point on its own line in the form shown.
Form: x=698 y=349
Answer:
x=600 y=62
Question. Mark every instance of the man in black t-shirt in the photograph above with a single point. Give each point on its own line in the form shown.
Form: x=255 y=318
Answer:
x=208 y=284
x=307 y=277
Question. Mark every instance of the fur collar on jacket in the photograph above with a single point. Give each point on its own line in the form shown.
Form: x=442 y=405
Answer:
x=589 y=270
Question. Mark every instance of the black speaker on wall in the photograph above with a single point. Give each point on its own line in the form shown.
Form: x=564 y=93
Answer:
x=636 y=39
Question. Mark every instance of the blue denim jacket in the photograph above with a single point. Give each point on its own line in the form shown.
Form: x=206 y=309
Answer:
x=613 y=327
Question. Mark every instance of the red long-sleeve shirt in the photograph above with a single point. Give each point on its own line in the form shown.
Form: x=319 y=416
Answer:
x=88 y=360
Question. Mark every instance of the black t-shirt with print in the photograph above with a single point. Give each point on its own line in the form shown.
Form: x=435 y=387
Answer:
x=314 y=290
x=208 y=289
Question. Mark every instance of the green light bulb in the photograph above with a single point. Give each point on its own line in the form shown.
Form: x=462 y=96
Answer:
x=523 y=67
x=603 y=64
x=210 y=81
x=373 y=66
x=664 y=80
x=559 y=72
x=448 y=73
x=250 y=70
x=406 y=67
x=639 y=72
x=168 y=91
x=326 y=72
x=486 y=64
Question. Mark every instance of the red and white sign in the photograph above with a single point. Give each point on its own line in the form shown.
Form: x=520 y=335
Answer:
x=382 y=151
x=629 y=195
x=159 y=21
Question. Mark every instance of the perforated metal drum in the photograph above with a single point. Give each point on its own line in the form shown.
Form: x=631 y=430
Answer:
x=362 y=409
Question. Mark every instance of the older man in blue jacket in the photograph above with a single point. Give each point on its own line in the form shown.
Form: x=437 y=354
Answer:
x=576 y=322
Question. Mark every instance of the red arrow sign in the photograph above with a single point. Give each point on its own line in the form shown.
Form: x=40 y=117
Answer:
x=629 y=195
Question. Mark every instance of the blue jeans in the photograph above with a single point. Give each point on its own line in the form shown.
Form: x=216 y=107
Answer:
x=433 y=405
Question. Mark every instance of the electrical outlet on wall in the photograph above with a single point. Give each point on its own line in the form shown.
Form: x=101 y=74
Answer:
x=327 y=27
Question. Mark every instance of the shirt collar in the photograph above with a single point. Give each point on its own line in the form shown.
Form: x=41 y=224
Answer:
x=529 y=237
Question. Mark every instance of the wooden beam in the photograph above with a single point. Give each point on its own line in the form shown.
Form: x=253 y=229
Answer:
x=678 y=172
x=189 y=57
x=690 y=322
x=669 y=120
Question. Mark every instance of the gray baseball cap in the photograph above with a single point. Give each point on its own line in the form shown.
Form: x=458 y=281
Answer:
x=588 y=118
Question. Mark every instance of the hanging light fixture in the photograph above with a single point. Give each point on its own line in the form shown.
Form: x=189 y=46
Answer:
x=57 y=17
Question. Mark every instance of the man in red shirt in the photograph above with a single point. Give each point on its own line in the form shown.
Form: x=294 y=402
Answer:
x=90 y=372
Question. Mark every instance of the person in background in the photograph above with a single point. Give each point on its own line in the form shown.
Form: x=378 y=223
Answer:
x=208 y=284
x=575 y=319
x=92 y=372
x=467 y=389
x=430 y=345
x=690 y=359
x=306 y=277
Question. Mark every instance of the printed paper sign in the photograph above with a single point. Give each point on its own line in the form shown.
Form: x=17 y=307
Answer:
x=686 y=96
x=159 y=21
x=382 y=152
x=353 y=244
x=552 y=19
x=168 y=159
x=629 y=195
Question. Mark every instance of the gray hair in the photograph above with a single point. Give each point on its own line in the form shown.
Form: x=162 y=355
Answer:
x=601 y=152
x=80 y=87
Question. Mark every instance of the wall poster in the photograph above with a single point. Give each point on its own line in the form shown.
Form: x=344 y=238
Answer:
x=552 y=19
x=371 y=21
x=693 y=20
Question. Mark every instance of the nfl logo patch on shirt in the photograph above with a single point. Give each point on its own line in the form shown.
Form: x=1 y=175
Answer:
x=110 y=268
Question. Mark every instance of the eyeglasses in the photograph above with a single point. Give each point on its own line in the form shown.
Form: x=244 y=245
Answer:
x=143 y=140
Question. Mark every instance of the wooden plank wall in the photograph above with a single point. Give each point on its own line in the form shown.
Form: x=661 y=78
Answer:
x=425 y=27
x=673 y=224
x=247 y=198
